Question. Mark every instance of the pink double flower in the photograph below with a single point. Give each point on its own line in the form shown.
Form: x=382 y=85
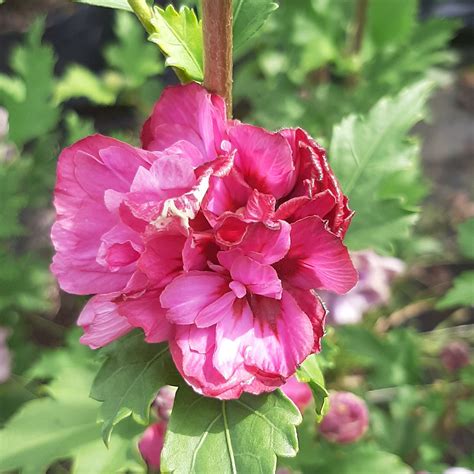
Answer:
x=212 y=237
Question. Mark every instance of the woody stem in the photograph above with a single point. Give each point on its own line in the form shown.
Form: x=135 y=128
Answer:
x=217 y=32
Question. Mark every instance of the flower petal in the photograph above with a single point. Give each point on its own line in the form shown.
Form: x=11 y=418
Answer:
x=264 y=159
x=188 y=113
x=188 y=294
x=317 y=258
x=101 y=321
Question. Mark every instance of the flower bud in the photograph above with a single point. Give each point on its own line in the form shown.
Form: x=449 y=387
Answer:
x=299 y=393
x=347 y=419
x=151 y=444
x=455 y=355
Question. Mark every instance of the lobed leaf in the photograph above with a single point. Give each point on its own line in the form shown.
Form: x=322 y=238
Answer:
x=367 y=153
x=134 y=58
x=78 y=81
x=179 y=36
x=27 y=97
x=244 y=435
x=129 y=379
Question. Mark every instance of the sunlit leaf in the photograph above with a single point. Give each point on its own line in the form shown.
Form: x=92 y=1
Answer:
x=179 y=36
x=248 y=17
x=366 y=154
x=244 y=435
x=310 y=372
x=129 y=379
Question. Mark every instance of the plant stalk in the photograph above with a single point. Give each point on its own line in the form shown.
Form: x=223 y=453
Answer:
x=143 y=13
x=217 y=35
x=360 y=21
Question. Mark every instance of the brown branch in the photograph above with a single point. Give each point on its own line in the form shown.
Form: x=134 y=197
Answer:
x=217 y=32
x=360 y=20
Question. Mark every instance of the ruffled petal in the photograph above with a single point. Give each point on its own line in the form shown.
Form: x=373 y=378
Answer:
x=86 y=170
x=264 y=159
x=101 y=321
x=187 y=113
x=282 y=338
x=317 y=259
x=189 y=293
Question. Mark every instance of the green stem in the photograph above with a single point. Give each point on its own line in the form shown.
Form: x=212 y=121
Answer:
x=144 y=13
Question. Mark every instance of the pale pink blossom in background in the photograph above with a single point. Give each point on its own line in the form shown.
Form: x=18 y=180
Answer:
x=376 y=275
x=164 y=401
x=458 y=470
x=347 y=419
x=213 y=237
x=5 y=356
x=7 y=150
x=298 y=392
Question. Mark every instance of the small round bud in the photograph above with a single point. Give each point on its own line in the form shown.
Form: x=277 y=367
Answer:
x=347 y=419
x=455 y=355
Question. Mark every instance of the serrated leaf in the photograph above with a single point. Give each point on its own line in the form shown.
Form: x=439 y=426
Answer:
x=248 y=17
x=244 y=435
x=391 y=21
x=131 y=55
x=179 y=36
x=366 y=153
x=310 y=373
x=118 y=4
x=78 y=81
x=30 y=111
x=466 y=238
x=129 y=379
x=461 y=294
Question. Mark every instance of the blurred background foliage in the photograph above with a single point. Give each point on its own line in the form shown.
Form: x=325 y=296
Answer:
x=359 y=76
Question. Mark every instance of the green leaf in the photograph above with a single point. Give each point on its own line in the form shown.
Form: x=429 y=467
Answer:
x=310 y=373
x=63 y=425
x=119 y=4
x=129 y=379
x=28 y=98
x=77 y=127
x=391 y=21
x=121 y=456
x=366 y=154
x=248 y=17
x=461 y=294
x=393 y=358
x=466 y=238
x=179 y=36
x=48 y=429
x=244 y=435
x=131 y=55
x=363 y=459
x=78 y=81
